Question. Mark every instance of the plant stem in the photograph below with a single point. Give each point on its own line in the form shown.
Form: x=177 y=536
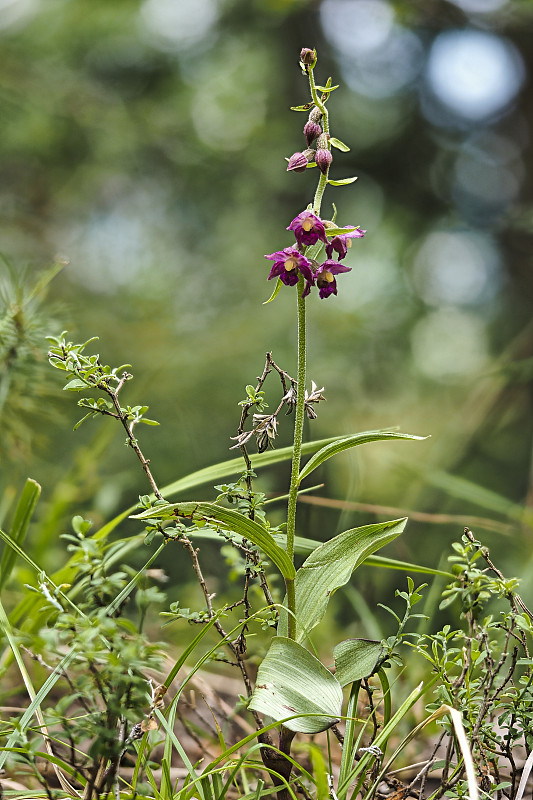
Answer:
x=300 y=392
x=297 y=449
x=323 y=182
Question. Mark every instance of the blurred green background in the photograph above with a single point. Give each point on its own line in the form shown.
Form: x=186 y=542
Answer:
x=145 y=143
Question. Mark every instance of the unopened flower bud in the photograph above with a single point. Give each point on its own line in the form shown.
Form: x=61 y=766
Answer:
x=311 y=131
x=298 y=161
x=307 y=56
x=315 y=115
x=323 y=160
x=323 y=142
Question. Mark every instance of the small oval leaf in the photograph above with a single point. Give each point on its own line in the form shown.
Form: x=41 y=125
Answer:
x=339 y=145
x=75 y=385
x=342 y=182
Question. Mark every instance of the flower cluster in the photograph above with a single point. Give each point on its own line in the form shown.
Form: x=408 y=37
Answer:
x=290 y=263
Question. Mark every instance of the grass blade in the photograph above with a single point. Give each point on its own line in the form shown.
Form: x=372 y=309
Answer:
x=23 y=514
x=346 y=442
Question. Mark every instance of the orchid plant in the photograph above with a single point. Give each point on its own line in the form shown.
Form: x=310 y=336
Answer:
x=293 y=692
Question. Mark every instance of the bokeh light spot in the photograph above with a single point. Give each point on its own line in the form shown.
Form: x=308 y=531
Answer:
x=178 y=25
x=223 y=117
x=476 y=74
x=456 y=268
x=14 y=13
x=479 y=6
x=377 y=56
x=449 y=344
x=357 y=25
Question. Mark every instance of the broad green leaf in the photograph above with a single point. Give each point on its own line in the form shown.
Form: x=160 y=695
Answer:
x=229 y=520
x=305 y=546
x=339 y=145
x=342 y=182
x=351 y=441
x=291 y=680
x=274 y=294
x=23 y=514
x=355 y=659
x=329 y=567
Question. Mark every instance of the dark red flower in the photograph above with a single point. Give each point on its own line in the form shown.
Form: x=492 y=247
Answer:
x=287 y=264
x=325 y=277
x=308 y=229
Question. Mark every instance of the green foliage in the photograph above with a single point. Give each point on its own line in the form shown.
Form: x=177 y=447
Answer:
x=90 y=373
x=291 y=681
x=348 y=442
x=25 y=386
x=331 y=566
x=22 y=517
x=90 y=625
x=486 y=669
x=356 y=659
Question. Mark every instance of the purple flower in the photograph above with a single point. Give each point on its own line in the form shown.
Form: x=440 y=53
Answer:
x=323 y=159
x=297 y=163
x=312 y=131
x=325 y=277
x=308 y=229
x=307 y=56
x=341 y=242
x=287 y=264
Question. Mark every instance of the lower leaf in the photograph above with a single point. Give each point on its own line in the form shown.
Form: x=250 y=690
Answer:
x=291 y=680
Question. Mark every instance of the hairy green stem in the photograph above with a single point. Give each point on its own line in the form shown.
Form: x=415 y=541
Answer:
x=317 y=202
x=297 y=449
x=300 y=393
